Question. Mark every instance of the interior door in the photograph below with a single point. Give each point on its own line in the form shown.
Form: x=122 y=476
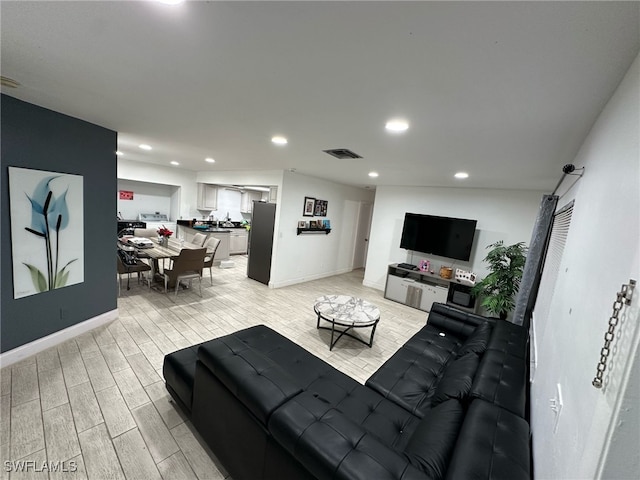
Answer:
x=362 y=235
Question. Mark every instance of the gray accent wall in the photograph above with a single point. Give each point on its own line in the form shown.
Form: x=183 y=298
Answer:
x=41 y=139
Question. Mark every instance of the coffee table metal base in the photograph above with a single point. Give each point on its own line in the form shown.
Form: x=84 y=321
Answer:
x=346 y=313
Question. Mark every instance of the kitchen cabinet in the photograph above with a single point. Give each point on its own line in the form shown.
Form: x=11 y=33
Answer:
x=207 y=197
x=247 y=199
x=238 y=241
x=223 y=251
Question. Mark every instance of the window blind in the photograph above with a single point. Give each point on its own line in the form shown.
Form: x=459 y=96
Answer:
x=550 y=272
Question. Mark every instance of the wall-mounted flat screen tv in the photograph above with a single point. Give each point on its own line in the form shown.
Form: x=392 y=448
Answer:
x=442 y=236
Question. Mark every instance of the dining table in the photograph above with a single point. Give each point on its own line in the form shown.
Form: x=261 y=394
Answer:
x=169 y=250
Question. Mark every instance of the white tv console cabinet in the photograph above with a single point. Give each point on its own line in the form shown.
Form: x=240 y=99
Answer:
x=419 y=289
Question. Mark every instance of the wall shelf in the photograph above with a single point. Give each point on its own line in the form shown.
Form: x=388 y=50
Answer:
x=314 y=230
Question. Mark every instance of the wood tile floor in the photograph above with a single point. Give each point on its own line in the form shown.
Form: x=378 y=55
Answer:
x=97 y=404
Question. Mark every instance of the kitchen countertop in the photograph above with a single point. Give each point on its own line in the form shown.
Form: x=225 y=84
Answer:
x=209 y=229
x=212 y=227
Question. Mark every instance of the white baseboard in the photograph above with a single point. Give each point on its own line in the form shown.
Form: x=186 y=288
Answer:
x=309 y=278
x=377 y=286
x=23 y=351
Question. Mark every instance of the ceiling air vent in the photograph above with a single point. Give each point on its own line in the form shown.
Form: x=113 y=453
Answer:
x=342 y=153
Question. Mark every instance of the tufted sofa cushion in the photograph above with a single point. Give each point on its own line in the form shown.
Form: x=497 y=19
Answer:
x=255 y=379
x=493 y=444
x=501 y=379
x=409 y=378
x=508 y=337
x=412 y=375
x=431 y=445
x=454 y=321
x=306 y=426
x=457 y=379
x=477 y=340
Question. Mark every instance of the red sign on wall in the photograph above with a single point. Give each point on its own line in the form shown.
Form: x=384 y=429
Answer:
x=126 y=195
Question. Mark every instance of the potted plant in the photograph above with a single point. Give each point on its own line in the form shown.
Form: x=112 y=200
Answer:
x=499 y=288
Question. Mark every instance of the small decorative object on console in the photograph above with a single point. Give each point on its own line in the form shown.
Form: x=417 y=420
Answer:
x=446 y=272
x=466 y=277
x=425 y=265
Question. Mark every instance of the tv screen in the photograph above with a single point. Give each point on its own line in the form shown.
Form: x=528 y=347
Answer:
x=442 y=236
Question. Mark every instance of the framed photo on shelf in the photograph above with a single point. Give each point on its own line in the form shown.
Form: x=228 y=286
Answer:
x=326 y=224
x=302 y=224
x=309 y=205
x=320 y=209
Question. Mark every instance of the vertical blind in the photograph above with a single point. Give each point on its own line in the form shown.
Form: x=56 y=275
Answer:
x=551 y=269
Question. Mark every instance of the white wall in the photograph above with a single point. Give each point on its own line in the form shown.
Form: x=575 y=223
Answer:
x=183 y=202
x=242 y=177
x=506 y=215
x=601 y=253
x=147 y=198
x=300 y=258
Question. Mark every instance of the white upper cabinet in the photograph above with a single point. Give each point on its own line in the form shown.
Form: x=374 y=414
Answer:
x=248 y=197
x=207 y=197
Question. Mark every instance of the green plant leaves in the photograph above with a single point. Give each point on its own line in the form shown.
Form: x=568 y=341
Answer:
x=499 y=288
x=38 y=278
x=63 y=275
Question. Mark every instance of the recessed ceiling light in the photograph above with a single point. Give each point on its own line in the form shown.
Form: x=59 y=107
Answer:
x=119 y=153
x=461 y=175
x=279 y=140
x=144 y=146
x=373 y=174
x=173 y=162
x=396 y=125
x=209 y=160
x=171 y=2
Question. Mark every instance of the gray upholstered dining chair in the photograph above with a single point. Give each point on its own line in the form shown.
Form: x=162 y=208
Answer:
x=186 y=266
x=145 y=232
x=139 y=267
x=211 y=244
x=199 y=239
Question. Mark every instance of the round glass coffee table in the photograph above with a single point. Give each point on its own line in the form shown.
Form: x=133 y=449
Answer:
x=346 y=313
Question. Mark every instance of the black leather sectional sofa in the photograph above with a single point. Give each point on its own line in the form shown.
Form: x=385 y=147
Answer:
x=449 y=404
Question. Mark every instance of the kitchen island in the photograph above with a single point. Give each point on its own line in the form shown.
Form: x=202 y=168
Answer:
x=187 y=232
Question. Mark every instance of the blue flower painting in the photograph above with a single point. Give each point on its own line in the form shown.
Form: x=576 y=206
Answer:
x=46 y=230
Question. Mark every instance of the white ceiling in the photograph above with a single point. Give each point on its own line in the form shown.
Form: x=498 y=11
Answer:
x=506 y=91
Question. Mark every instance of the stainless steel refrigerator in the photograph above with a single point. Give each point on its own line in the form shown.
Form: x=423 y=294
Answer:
x=261 y=241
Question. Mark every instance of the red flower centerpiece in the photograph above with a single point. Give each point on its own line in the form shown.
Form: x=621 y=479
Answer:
x=164 y=232
x=163 y=235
